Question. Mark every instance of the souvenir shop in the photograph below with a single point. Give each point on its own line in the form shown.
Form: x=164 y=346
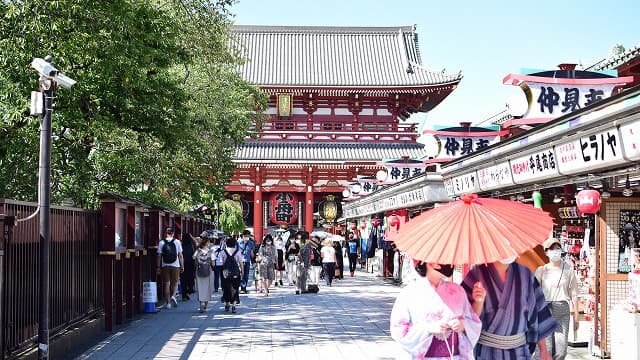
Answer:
x=584 y=169
x=377 y=218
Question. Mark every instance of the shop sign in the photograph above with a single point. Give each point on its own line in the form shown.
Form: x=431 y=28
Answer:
x=535 y=166
x=448 y=186
x=630 y=134
x=402 y=172
x=283 y=208
x=494 y=177
x=590 y=152
x=465 y=184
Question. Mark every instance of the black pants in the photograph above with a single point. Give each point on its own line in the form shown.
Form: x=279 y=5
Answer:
x=353 y=261
x=231 y=290
x=217 y=277
x=328 y=269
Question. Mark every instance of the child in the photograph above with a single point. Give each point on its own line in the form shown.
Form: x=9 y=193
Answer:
x=256 y=274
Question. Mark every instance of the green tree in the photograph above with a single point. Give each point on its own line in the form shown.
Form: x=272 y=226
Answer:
x=157 y=110
x=230 y=217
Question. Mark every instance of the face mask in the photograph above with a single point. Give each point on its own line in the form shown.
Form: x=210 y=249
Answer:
x=298 y=241
x=446 y=270
x=554 y=255
x=508 y=260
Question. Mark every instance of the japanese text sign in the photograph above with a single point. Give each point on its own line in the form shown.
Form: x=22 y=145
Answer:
x=465 y=184
x=630 y=134
x=399 y=172
x=494 y=177
x=590 y=152
x=535 y=166
x=284 y=208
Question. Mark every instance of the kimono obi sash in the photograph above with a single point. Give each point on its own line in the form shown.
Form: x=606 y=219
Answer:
x=439 y=348
x=504 y=342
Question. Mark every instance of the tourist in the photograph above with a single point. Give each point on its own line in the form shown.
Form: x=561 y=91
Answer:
x=328 y=255
x=514 y=313
x=352 y=250
x=432 y=319
x=187 y=277
x=268 y=255
x=203 y=257
x=560 y=287
x=315 y=260
x=339 y=272
x=280 y=261
x=303 y=264
x=170 y=264
x=247 y=250
x=293 y=248
x=218 y=247
x=232 y=269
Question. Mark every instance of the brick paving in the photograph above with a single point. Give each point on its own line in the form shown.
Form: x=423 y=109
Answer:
x=347 y=321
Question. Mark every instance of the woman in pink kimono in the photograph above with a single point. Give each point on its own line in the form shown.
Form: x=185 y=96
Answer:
x=432 y=318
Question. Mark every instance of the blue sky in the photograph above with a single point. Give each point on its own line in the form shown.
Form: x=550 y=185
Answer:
x=486 y=40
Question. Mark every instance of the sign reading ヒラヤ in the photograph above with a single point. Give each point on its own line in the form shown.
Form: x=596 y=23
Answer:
x=494 y=177
x=535 y=166
x=590 y=152
x=630 y=134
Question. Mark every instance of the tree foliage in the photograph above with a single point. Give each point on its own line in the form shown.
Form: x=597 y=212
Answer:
x=157 y=109
x=230 y=217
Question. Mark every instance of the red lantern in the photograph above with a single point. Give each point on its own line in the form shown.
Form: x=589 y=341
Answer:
x=363 y=225
x=394 y=220
x=588 y=201
x=375 y=221
x=354 y=226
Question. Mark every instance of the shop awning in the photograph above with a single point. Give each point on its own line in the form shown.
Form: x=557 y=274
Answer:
x=594 y=140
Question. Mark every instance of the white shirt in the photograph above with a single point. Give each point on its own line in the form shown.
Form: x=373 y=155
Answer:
x=217 y=254
x=328 y=254
x=178 y=252
x=558 y=284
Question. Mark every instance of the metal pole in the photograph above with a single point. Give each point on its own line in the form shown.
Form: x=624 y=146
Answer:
x=44 y=185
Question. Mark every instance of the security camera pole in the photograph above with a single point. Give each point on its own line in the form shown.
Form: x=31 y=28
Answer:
x=47 y=86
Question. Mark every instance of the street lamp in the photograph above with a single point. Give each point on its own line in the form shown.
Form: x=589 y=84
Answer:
x=42 y=103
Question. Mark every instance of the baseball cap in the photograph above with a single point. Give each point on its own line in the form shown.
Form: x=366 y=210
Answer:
x=169 y=230
x=547 y=244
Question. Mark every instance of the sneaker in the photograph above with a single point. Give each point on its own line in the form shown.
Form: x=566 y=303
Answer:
x=174 y=302
x=233 y=309
x=168 y=306
x=352 y=274
x=297 y=292
x=280 y=282
x=226 y=307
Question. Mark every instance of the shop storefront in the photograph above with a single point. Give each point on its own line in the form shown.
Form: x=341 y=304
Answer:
x=595 y=147
x=377 y=217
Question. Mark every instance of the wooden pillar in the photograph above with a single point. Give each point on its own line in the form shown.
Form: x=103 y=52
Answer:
x=257 y=213
x=118 y=287
x=108 y=251
x=129 y=261
x=308 y=209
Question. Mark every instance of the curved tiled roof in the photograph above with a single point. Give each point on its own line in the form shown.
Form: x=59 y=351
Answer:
x=331 y=152
x=334 y=56
x=615 y=61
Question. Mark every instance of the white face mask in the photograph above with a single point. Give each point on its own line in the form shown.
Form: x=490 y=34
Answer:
x=554 y=255
x=508 y=260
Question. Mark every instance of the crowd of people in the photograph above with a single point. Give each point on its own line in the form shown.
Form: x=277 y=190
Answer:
x=215 y=261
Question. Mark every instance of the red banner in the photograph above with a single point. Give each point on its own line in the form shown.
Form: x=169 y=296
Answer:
x=284 y=208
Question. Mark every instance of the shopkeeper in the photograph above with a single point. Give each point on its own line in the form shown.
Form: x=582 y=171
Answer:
x=560 y=287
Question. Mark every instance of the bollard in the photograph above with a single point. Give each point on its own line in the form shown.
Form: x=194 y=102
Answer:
x=149 y=296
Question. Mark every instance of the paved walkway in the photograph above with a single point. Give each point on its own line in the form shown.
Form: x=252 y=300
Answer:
x=347 y=321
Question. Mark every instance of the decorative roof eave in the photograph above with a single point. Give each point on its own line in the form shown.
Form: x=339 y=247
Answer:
x=345 y=165
x=370 y=90
x=517 y=79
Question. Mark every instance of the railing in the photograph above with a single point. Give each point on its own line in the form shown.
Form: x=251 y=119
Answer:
x=337 y=126
x=74 y=268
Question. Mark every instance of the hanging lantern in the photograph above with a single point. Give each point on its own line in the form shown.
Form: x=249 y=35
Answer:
x=394 y=220
x=588 y=201
x=244 y=205
x=330 y=209
x=284 y=210
x=375 y=221
x=363 y=225
x=354 y=226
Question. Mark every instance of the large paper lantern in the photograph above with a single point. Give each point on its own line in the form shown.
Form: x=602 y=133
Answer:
x=588 y=201
x=284 y=210
x=329 y=209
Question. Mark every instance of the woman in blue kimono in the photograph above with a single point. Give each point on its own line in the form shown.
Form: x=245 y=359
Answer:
x=515 y=315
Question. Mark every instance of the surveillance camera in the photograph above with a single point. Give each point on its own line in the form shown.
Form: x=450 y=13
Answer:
x=44 y=67
x=64 y=81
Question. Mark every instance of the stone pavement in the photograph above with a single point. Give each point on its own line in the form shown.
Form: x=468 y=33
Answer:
x=349 y=320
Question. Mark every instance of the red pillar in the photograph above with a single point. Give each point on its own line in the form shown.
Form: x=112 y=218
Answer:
x=308 y=209
x=257 y=213
x=129 y=266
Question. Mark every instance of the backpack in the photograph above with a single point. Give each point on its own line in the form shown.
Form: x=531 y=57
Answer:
x=169 y=252
x=230 y=268
x=204 y=264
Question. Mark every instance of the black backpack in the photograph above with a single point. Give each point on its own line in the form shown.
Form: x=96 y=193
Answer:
x=169 y=252
x=230 y=268
x=204 y=264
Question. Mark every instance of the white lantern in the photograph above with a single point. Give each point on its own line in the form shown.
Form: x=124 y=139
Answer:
x=381 y=175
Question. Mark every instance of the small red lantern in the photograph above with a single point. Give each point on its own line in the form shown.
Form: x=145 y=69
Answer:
x=394 y=220
x=588 y=201
x=354 y=226
x=363 y=225
x=375 y=221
